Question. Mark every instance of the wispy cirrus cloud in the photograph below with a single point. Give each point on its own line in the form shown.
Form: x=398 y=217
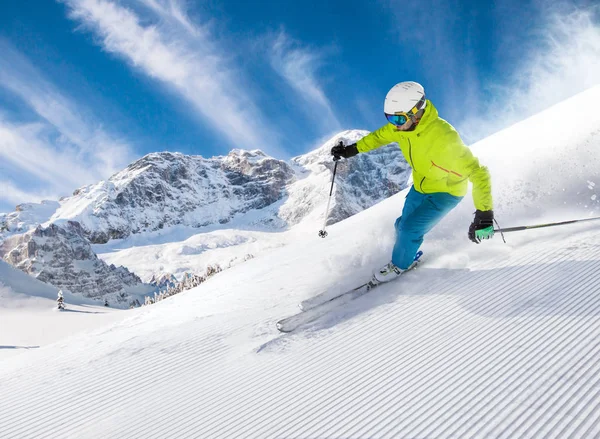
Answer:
x=190 y=64
x=548 y=51
x=173 y=11
x=564 y=62
x=299 y=67
x=14 y=195
x=29 y=148
x=66 y=147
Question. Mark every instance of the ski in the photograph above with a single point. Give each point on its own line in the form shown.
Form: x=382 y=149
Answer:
x=304 y=317
x=323 y=305
x=326 y=296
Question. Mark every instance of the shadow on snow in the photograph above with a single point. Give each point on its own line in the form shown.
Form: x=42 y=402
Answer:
x=564 y=288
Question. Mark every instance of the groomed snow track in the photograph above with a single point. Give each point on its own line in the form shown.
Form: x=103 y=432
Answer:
x=508 y=349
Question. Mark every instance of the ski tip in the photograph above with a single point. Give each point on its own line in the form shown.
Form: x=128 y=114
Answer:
x=281 y=327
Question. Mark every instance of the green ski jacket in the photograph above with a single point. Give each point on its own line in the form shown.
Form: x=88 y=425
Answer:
x=439 y=159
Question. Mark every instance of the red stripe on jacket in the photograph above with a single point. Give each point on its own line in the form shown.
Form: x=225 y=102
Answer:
x=449 y=172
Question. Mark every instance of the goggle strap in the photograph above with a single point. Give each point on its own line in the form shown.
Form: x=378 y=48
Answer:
x=417 y=107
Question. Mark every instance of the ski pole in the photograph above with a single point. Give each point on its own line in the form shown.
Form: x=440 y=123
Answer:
x=323 y=232
x=539 y=226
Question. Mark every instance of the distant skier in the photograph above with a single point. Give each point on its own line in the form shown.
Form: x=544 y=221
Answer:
x=441 y=167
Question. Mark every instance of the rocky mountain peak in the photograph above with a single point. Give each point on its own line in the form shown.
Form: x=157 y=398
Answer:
x=166 y=189
x=61 y=255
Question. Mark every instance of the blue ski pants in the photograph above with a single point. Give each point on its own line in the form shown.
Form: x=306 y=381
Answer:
x=420 y=214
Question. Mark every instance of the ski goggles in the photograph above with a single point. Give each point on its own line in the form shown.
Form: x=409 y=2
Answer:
x=400 y=118
x=397 y=119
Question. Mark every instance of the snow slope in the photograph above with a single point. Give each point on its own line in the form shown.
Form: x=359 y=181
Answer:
x=483 y=341
x=29 y=316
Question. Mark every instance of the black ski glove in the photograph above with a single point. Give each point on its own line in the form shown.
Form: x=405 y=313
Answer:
x=482 y=226
x=340 y=150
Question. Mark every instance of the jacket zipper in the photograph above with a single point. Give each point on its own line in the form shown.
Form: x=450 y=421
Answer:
x=412 y=163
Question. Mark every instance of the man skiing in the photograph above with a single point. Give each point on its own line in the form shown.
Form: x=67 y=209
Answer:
x=441 y=167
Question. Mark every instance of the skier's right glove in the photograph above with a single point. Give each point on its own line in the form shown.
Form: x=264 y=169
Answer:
x=340 y=150
x=482 y=226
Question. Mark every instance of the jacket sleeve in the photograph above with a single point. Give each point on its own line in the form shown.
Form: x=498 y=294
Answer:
x=480 y=177
x=462 y=163
x=376 y=139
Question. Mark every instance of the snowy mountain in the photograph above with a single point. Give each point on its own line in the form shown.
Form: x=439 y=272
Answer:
x=166 y=189
x=482 y=341
x=19 y=290
x=27 y=216
x=61 y=256
x=164 y=192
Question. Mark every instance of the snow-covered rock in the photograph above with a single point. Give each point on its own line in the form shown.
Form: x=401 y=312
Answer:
x=162 y=281
x=61 y=255
x=27 y=216
x=166 y=189
x=360 y=182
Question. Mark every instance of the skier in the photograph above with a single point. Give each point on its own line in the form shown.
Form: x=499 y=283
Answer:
x=441 y=167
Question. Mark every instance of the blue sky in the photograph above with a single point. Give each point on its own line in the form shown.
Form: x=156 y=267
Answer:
x=87 y=86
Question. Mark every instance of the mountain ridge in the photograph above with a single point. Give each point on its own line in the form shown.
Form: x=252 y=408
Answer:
x=163 y=190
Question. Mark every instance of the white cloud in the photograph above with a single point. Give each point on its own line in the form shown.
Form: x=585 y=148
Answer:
x=299 y=66
x=550 y=51
x=191 y=65
x=25 y=147
x=39 y=159
x=11 y=194
x=565 y=62
x=66 y=148
x=174 y=11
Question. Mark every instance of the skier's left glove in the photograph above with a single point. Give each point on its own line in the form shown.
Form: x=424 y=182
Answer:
x=340 y=150
x=482 y=226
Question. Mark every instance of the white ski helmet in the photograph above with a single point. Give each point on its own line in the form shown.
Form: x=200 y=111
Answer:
x=404 y=97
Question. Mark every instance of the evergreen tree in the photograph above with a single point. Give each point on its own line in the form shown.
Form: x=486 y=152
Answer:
x=61 y=300
x=211 y=270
